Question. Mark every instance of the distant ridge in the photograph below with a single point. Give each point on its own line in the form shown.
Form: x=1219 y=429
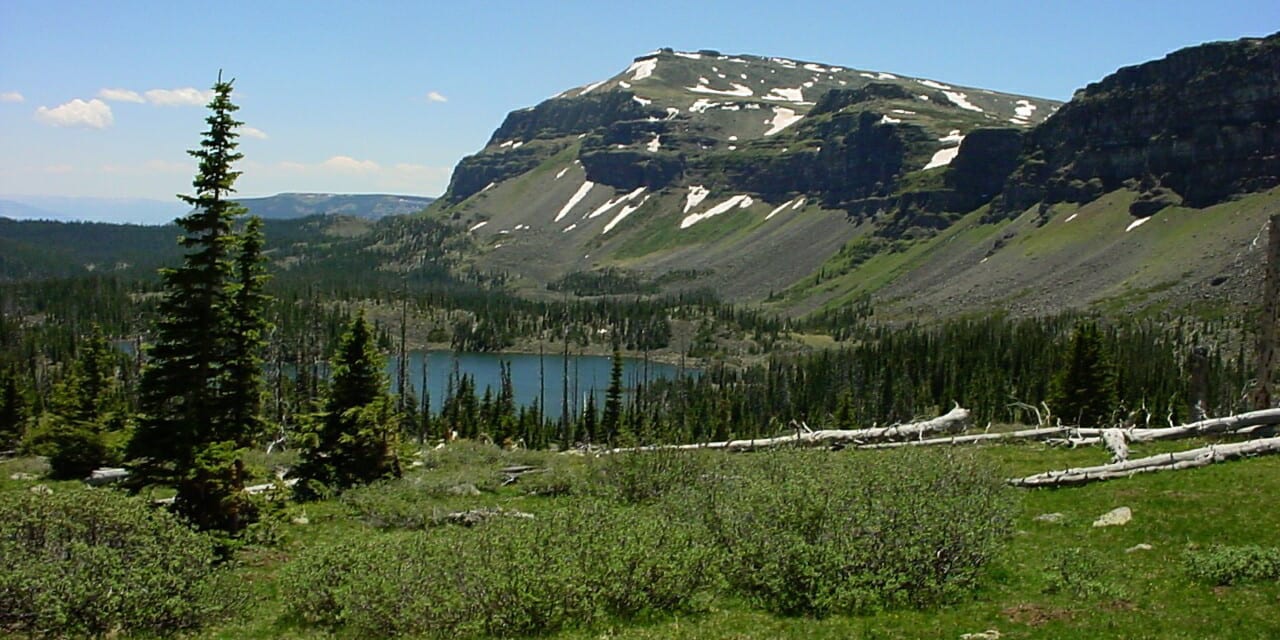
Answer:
x=284 y=206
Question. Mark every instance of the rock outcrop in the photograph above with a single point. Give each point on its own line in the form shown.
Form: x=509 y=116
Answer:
x=1195 y=127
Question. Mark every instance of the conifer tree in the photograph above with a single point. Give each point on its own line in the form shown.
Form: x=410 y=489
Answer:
x=247 y=338
x=612 y=419
x=354 y=440
x=189 y=434
x=13 y=410
x=1084 y=391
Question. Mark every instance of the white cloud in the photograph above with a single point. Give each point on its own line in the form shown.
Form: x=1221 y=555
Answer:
x=184 y=97
x=94 y=114
x=253 y=132
x=120 y=95
x=436 y=96
x=347 y=164
x=11 y=96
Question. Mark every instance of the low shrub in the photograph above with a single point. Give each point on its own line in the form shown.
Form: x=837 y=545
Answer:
x=509 y=577
x=1079 y=573
x=635 y=477
x=1228 y=565
x=812 y=533
x=95 y=562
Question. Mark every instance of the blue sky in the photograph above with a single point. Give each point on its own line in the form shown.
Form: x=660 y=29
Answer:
x=103 y=98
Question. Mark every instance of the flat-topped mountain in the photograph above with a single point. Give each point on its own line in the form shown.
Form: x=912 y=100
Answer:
x=362 y=205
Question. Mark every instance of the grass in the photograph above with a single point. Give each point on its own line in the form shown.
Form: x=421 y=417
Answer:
x=1144 y=594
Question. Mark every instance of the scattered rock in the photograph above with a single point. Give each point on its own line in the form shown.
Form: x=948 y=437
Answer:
x=22 y=475
x=476 y=516
x=1139 y=547
x=989 y=634
x=467 y=489
x=1114 y=518
x=1050 y=517
x=302 y=519
x=42 y=489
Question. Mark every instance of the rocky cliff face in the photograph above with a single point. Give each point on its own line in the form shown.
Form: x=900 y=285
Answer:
x=1195 y=127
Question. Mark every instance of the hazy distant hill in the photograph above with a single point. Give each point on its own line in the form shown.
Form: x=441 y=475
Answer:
x=363 y=205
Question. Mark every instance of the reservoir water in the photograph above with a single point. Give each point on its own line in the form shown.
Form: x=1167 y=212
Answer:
x=587 y=374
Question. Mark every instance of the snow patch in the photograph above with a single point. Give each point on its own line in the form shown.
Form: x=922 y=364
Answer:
x=721 y=76
x=644 y=102
x=642 y=69
x=626 y=211
x=477 y=226
x=1024 y=109
x=517 y=145
x=733 y=147
x=488 y=187
x=654 y=144
x=961 y=100
x=738 y=90
x=779 y=208
x=701 y=105
x=786 y=95
x=868 y=75
x=816 y=67
x=925 y=98
x=1071 y=217
x=577 y=197
x=885 y=76
x=887 y=120
x=904 y=112
x=790 y=64
x=782 y=118
x=591 y=87
x=1137 y=223
x=624 y=84
x=799 y=203
x=506 y=144
x=562 y=172
x=613 y=202
x=934 y=85
x=954 y=136
x=691 y=56
x=942 y=158
x=696 y=195
x=733 y=138
x=672 y=112
x=741 y=201
x=570 y=228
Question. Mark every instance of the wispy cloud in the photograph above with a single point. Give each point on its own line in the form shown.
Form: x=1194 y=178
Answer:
x=183 y=97
x=253 y=132
x=94 y=114
x=120 y=95
x=347 y=164
x=11 y=96
x=150 y=167
x=436 y=96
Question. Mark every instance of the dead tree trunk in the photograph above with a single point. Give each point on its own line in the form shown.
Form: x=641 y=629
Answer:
x=1024 y=434
x=955 y=420
x=1269 y=316
x=1213 y=426
x=1190 y=459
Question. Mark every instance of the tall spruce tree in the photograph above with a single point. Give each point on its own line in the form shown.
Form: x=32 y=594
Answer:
x=612 y=420
x=192 y=425
x=247 y=339
x=1084 y=392
x=354 y=440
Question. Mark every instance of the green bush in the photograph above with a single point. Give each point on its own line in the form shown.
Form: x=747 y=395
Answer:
x=1079 y=573
x=814 y=533
x=510 y=577
x=1228 y=565
x=95 y=562
x=642 y=476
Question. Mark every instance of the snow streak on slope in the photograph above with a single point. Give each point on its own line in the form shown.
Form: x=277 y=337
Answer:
x=626 y=211
x=696 y=195
x=577 y=197
x=782 y=118
x=741 y=201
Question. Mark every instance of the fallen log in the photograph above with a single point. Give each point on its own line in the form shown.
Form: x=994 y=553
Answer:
x=1212 y=426
x=1025 y=434
x=955 y=420
x=1189 y=459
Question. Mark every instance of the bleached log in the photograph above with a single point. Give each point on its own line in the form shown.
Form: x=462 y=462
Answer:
x=1189 y=459
x=1114 y=439
x=1212 y=426
x=251 y=489
x=955 y=420
x=1025 y=434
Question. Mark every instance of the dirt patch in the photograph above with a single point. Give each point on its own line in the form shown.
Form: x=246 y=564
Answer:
x=1035 y=615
